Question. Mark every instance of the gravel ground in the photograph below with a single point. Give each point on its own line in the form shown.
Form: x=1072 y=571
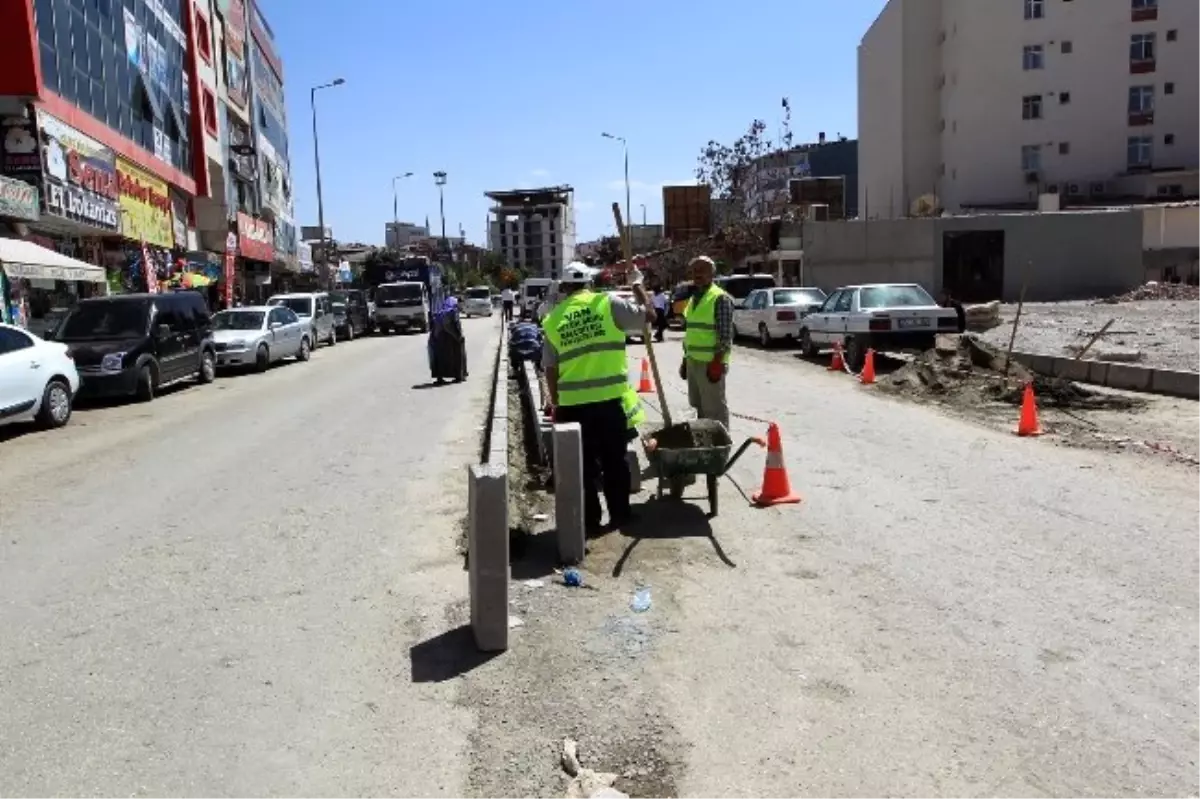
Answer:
x=242 y=589
x=1166 y=332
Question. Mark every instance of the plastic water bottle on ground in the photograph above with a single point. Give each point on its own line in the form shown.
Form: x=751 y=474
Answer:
x=641 y=600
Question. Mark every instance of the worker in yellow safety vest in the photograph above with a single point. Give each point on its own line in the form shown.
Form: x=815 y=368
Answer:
x=587 y=375
x=707 y=342
x=635 y=414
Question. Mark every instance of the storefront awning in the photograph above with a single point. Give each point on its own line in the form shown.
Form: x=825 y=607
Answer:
x=24 y=259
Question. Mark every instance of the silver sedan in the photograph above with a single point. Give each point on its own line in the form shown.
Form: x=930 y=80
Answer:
x=259 y=336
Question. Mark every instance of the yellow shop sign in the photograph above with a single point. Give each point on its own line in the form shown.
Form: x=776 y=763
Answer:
x=145 y=206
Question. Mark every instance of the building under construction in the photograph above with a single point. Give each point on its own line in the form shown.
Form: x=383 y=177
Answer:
x=533 y=228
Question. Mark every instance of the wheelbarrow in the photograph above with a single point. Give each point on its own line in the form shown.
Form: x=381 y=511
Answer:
x=679 y=453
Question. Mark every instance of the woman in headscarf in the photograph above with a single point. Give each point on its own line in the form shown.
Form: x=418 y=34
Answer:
x=447 y=345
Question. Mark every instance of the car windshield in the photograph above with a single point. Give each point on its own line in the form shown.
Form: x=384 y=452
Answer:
x=339 y=299
x=238 y=320
x=408 y=291
x=301 y=306
x=894 y=297
x=479 y=294
x=740 y=286
x=105 y=320
x=535 y=291
x=800 y=297
x=683 y=291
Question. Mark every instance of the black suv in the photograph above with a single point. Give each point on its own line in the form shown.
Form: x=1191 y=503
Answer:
x=351 y=314
x=134 y=344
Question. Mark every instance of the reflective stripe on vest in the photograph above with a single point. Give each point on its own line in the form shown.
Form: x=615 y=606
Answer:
x=590 y=348
x=700 y=337
x=635 y=414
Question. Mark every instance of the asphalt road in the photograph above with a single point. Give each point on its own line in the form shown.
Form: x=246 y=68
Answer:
x=952 y=610
x=216 y=594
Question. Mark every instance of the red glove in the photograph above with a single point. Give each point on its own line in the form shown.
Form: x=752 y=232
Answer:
x=715 y=371
x=549 y=411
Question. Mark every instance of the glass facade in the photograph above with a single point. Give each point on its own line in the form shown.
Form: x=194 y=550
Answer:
x=269 y=110
x=122 y=61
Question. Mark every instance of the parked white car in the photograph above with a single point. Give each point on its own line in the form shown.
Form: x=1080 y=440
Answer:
x=38 y=379
x=315 y=308
x=890 y=317
x=477 y=302
x=774 y=314
x=259 y=336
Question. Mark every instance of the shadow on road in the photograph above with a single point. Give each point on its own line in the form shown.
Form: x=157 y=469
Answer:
x=884 y=364
x=668 y=518
x=446 y=656
x=433 y=384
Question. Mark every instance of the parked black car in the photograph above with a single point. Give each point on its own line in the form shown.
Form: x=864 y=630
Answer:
x=135 y=344
x=351 y=314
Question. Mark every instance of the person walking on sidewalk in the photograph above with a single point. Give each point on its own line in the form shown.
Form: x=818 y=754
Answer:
x=662 y=301
x=506 y=304
x=707 y=342
x=588 y=380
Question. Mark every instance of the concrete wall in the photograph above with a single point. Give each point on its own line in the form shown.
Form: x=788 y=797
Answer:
x=880 y=145
x=1064 y=255
x=895 y=250
x=1167 y=227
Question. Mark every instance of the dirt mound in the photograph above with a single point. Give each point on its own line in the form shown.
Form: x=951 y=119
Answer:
x=969 y=372
x=1155 y=291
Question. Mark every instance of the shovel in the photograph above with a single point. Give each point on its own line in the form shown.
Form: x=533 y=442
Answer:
x=627 y=240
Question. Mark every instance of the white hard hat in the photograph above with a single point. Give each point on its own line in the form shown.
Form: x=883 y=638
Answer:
x=575 y=273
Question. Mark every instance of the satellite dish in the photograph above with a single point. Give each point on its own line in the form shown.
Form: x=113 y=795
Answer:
x=925 y=205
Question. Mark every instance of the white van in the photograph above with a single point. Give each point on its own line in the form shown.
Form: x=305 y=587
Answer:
x=533 y=292
x=314 y=307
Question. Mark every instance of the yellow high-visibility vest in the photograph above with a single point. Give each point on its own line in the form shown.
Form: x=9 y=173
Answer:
x=700 y=337
x=590 y=347
x=635 y=414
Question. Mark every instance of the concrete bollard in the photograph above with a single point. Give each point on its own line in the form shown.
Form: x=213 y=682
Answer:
x=487 y=541
x=635 y=469
x=568 y=492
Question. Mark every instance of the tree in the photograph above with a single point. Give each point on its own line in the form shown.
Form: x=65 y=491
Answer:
x=609 y=251
x=729 y=170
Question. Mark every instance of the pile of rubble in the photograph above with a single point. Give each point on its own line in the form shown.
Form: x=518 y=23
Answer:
x=962 y=370
x=1156 y=291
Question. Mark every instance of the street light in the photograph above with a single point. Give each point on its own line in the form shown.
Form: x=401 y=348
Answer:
x=396 y=206
x=439 y=179
x=625 y=148
x=643 y=214
x=312 y=98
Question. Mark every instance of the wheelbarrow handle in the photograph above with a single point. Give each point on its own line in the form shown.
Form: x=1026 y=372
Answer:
x=740 y=450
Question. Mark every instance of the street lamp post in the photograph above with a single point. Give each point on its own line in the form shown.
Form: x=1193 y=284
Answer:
x=643 y=214
x=625 y=148
x=396 y=206
x=312 y=97
x=439 y=179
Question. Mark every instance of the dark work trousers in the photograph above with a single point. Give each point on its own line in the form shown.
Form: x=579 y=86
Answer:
x=660 y=323
x=506 y=311
x=603 y=431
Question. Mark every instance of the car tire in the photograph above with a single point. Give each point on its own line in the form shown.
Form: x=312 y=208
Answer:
x=147 y=383
x=856 y=352
x=764 y=336
x=305 y=351
x=56 y=405
x=262 y=358
x=807 y=348
x=332 y=336
x=208 y=367
x=350 y=332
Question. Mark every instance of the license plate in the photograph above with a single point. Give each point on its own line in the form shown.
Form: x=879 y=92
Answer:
x=915 y=322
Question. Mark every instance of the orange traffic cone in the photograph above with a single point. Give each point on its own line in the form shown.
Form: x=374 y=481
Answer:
x=645 y=385
x=776 y=488
x=1028 y=425
x=868 y=373
x=837 y=364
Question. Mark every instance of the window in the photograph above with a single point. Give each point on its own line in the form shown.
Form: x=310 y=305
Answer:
x=1141 y=48
x=1064 y=148
x=1034 y=9
x=1168 y=88
x=1172 y=35
x=1140 y=152
x=203 y=39
x=1031 y=106
x=843 y=303
x=1064 y=98
x=1031 y=158
x=1141 y=104
x=1034 y=57
x=210 y=112
x=13 y=340
x=1067 y=47
x=1143 y=10
x=1168 y=139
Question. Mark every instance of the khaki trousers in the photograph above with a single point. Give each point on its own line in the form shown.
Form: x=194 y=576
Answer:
x=707 y=398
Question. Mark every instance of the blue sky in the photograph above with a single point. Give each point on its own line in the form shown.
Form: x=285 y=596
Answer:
x=515 y=95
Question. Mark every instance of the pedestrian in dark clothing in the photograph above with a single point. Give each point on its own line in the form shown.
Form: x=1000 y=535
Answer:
x=447 y=345
x=949 y=302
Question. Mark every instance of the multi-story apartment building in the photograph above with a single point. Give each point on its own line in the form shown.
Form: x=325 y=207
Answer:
x=534 y=228
x=397 y=235
x=991 y=103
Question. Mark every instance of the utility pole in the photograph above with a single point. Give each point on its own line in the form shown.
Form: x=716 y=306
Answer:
x=312 y=97
x=396 y=206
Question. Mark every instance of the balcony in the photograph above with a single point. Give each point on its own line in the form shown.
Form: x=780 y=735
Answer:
x=1143 y=14
x=1140 y=66
x=1139 y=119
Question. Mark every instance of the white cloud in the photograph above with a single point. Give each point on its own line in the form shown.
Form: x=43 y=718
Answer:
x=540 y=173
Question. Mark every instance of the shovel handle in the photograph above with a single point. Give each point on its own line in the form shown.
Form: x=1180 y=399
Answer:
x=627 y=239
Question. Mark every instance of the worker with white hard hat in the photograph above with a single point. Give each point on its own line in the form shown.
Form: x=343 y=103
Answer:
x=588 y=379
